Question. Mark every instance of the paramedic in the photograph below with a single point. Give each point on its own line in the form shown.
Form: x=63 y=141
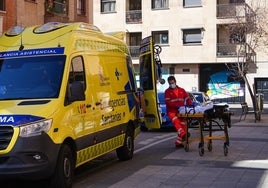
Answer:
x=176 y=97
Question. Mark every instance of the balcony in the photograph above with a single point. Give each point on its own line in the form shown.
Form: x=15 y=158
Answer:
x=133 y=16
x=235 y=10
x=228 y=50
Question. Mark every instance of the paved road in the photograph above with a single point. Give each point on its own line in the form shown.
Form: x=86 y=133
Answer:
x=157 y=164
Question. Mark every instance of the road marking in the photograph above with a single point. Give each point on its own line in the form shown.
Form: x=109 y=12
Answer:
x=155 y=141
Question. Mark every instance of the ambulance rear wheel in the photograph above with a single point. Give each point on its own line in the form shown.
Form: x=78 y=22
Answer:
x=125 y=152
x=64 y=171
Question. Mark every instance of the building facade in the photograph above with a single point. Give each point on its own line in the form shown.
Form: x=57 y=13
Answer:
x=22 y=13
x=195 y=35
x=197 y=42
x=33 y=12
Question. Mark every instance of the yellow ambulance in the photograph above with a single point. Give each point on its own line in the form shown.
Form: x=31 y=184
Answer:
x=67 y=95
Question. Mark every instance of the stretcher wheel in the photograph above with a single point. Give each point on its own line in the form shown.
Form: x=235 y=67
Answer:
x=209 y=146
x=225 y=149
x=201 y=149
x=186 y=147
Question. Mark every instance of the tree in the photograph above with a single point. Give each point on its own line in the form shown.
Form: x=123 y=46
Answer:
x=247 y=31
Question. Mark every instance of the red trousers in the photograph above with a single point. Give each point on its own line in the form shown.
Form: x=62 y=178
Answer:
x=179 y=124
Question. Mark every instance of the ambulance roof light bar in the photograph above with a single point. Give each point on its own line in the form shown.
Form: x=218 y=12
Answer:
x=15 y=30
x=89 y=27
x=50 y=26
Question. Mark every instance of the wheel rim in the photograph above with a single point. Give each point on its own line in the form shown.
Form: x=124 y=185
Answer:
x=67 y=167
x=129 y=143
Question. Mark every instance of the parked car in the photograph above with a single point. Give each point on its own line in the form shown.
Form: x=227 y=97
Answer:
x=166 y=122
x=201 y=97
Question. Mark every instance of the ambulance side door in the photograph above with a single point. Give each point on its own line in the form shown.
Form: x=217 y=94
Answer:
x=149 y=76
x=85 y=108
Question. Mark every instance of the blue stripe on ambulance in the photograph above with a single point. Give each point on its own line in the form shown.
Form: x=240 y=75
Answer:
x=17 y=120
x=130 y=86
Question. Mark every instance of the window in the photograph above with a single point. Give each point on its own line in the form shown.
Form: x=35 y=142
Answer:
x=76 y=81
x=2 y=5
x=146 y=81
x=43 y=75
x=172 y=70
x=135 y=5
x=108 y=5
x=237 y=38
x=77 y=70
x=237 y=1
x=134 y=43
x=60 y=6
x=192 y=36
x=81 y=7
x=191 y=3
x=160 y=37
x=158 y=4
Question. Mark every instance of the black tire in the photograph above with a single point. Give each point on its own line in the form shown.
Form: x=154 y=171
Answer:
x=126 y=151
x=186 y=147
x=210 y=146
x=225 y=149
x=201 y=149
x=64 y=172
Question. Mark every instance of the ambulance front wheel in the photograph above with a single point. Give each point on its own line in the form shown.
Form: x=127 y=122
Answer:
x=125 y=152
x=64 y=171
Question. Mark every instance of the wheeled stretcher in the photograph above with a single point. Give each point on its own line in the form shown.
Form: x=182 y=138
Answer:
x=215 y=117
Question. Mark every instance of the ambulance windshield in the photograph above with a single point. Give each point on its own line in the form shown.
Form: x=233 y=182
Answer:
x=31 y=77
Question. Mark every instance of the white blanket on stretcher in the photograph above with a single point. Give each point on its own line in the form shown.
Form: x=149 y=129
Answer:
x=195 y=109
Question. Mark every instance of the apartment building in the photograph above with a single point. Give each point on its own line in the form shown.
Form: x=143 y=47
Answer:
x=196 y=44
x=32 y=12
x=23 y=13
x=68 y=11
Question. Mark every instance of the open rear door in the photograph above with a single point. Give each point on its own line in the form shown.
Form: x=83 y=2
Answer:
x=150 y=74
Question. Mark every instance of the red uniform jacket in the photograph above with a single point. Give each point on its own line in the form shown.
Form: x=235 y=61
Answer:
x=174 y=98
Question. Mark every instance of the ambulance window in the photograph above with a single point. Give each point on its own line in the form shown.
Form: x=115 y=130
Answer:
x=146 y=77
x=77 y=72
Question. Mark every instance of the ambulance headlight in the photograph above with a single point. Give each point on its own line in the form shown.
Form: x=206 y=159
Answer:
x=35 y=128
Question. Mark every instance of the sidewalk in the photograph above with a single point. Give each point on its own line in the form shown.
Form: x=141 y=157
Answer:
x=245 y=166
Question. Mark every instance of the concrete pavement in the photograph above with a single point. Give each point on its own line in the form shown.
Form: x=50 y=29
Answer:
x=245 y=166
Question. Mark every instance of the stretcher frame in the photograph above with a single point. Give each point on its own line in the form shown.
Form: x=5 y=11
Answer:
x=208 y=121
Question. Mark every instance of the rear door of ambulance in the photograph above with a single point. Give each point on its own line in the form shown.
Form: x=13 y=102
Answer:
x=149 y=76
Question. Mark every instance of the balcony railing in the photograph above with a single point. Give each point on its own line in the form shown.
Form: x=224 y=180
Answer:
x=235 y=10
x=134 y=51
x=133 y=16
x=226 y=50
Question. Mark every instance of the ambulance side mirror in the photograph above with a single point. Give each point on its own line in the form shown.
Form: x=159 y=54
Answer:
x=77 y=91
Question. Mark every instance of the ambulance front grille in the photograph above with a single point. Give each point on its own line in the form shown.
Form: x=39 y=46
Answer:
x=6 y=133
